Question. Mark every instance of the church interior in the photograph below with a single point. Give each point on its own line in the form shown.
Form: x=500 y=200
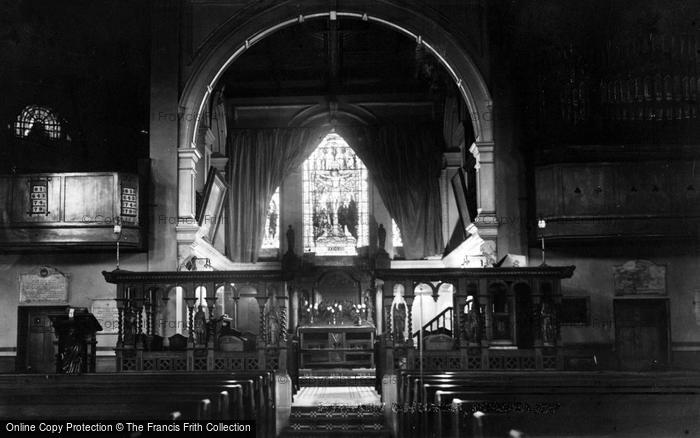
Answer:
x=395 y=218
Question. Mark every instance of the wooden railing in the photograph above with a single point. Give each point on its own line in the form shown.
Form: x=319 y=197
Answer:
x=143 y=346
x=487 y=337
x=438 y=324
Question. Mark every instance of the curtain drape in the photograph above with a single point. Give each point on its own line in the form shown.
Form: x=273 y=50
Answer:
x=259 y=161
x=405 y=164
x=452 y=127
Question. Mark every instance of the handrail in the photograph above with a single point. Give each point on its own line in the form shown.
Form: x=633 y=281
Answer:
x=436 y=320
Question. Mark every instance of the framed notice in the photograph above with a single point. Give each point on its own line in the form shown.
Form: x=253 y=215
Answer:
x=107 y=314
x=638 y=277
x=209 y=215
x=43 y=286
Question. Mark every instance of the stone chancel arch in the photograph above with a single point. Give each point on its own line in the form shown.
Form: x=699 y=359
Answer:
x=246 y=29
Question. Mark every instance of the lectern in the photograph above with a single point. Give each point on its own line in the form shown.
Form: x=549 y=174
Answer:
x=76 y=331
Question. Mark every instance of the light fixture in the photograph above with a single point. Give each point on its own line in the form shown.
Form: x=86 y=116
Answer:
x=542 y=224
x=118 y=233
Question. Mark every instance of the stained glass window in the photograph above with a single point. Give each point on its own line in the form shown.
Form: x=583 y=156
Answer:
x=396 y=241
x=38 y=121
x=336 y=214
x=271 y=238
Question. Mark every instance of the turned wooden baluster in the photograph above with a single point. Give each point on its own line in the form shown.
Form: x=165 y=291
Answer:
x=409 y=318
x=149 y=311
x=388 y=332
x=262 y=329
x=189 y=302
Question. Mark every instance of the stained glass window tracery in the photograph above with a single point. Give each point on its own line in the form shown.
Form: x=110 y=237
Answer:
x=335 y=204
x=396 y=240
x=39 y=120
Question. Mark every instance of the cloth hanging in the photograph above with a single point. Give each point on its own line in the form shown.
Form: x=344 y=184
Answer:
x=259 y=161
x=405 y=164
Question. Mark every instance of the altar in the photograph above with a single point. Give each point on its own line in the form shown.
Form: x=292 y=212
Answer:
x=336 y=346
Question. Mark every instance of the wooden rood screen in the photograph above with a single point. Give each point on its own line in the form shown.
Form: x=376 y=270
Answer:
x=499 y=319
x=152 y=305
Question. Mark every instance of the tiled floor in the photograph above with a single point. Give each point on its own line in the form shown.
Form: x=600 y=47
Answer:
x=336 y=396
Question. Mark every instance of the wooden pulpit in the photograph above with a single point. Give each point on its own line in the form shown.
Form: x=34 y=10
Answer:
x=76 y=333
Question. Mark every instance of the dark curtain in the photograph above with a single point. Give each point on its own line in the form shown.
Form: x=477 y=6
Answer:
x=259 y=161
x=405 y=164
x=452 y=127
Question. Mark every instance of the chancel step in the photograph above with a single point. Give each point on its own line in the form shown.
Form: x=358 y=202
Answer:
x=337 y=377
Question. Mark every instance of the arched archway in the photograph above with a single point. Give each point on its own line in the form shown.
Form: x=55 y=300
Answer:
x=251 y=26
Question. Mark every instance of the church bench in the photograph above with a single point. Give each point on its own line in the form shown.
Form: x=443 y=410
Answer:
x=540 y=387
x=127 y=396
x=564 y=414
x=132 y=396
x=409 y=382
x=262 y=381
x=546 y=409
x=136 y=401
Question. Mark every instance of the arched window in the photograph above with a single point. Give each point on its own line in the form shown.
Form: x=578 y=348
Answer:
x=396 y=240
x=271 y=239
x=37 y=121
x=335 y=206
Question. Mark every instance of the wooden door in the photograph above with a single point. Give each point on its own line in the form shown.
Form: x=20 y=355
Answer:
x=35 y=340
x=641 y=334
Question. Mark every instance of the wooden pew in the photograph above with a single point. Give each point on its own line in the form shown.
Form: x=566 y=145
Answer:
x=139 y=396
x=568 y=389
x=566 y=413
x=85 y=391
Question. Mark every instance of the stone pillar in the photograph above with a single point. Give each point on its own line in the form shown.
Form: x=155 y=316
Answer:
x=187 y=226
x=163 y=138
x=486 y=190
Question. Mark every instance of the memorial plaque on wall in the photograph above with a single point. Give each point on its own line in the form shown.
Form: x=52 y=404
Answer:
x=45 y=285
x=639 y=277
x=107 y=314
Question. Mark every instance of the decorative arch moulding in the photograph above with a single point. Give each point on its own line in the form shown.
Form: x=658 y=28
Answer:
x=230 y=42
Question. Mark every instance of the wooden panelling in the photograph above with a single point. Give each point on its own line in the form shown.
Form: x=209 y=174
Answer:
x=644 y=188
x=89 y=198
x=653 y=198
x=586 y=190
x=5 y=199
x=69 y=209
x=22 y=202
x=687 y=181
x=546 y=199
